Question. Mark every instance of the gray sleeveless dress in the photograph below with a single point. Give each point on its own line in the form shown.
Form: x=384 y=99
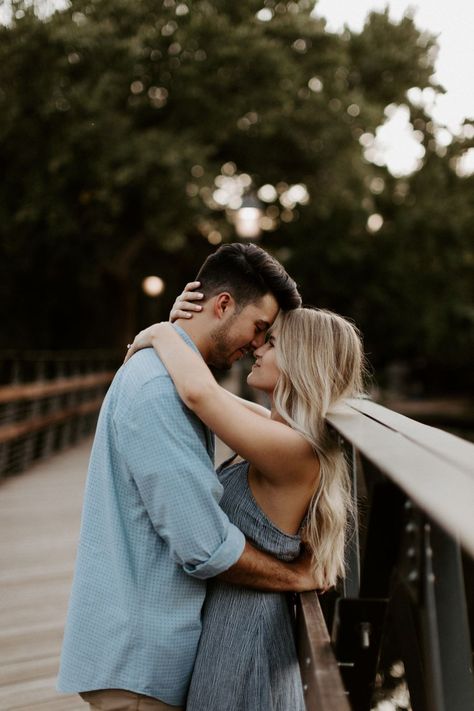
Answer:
x=246 y=658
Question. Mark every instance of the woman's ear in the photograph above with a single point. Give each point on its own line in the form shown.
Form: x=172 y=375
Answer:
x=223 y=304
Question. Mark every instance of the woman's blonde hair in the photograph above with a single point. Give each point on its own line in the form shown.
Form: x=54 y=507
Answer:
x=321 y=360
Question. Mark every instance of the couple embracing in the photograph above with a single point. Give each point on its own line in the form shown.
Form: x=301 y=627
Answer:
x=179 y=598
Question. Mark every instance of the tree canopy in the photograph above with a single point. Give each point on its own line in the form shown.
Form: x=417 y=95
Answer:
x=129 y=131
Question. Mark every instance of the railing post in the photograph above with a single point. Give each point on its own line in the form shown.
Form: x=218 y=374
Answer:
x=351 y=582
x=452 y=622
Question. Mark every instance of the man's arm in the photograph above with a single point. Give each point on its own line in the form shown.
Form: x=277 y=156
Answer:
x=259 y=570
x=163 y=444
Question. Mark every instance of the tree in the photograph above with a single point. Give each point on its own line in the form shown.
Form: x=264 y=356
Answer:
x=118 y=119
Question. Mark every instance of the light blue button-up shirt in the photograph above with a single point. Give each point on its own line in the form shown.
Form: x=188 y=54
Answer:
x=152 y=531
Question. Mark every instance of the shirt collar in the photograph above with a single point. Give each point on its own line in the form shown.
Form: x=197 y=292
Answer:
x=187 y=338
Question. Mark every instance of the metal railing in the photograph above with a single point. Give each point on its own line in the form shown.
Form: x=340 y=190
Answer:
x=407 y=603
x=48 y=401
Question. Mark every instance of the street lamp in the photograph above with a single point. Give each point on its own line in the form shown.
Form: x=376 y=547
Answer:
x=247 y=218
x=153 y=286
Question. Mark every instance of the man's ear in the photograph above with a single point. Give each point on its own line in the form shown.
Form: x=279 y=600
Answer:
x=223 y=304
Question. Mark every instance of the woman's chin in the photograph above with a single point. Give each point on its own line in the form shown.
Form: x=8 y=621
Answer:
x=253 y=382
x=251 y=379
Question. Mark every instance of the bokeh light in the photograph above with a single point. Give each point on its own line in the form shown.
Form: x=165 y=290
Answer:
x=153 y=285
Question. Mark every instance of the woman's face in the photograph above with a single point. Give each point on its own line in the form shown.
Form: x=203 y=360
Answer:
x=265 y=371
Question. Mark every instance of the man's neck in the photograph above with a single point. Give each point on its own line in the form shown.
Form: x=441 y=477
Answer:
x=195 y=332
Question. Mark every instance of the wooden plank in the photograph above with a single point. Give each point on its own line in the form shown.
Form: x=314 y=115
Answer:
x=40 y=667
x=31 y=694
x=441 y=489
x=446 y=445
x=48 y=388
x=39 y=525
x=322 y=683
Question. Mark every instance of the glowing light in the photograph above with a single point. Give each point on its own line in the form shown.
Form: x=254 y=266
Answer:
x=267 y=193
x=214 y=237
x=221 y=196
x=228 y=168
x=247 y=218
x=395 y=144
x=300 y=45
x=235 y=202
x=264 y=15
x=169 y=29
x=197 y=171
x=245 y=180
x=136 y=87
x=315 y=84
x=153 y=285
x=266 y=223
x=158 y=96
x=294 y=194
x=375 y=222
x=367 y=140
x=377 y=185
x=465 y=164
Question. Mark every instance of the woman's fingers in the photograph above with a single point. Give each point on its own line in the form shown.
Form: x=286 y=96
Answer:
x=191 y=286
x=188 y=296
x=185 y=304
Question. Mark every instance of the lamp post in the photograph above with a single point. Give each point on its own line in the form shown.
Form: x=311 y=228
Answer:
x=247 y=218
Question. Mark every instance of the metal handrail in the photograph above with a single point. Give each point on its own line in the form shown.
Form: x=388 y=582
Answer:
x=434 y=468
x=404 y=588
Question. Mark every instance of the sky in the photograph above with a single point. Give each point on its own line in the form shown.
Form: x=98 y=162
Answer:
x=452 y=23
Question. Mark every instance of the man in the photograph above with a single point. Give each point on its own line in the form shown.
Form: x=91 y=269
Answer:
x=152 y=530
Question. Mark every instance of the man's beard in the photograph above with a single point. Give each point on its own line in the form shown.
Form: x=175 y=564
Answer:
x=222 y=347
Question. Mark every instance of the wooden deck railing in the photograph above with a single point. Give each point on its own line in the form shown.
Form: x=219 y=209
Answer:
x=407 y=603
x=48 y=400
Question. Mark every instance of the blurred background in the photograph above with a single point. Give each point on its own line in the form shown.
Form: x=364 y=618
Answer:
x=138 y=136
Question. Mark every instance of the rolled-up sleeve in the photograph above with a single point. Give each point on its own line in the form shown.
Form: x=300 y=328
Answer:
x=164 y=446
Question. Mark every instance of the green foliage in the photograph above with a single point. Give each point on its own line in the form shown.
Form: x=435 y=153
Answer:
x=117 y=116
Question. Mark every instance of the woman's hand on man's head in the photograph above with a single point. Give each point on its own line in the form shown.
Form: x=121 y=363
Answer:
x=185 y=304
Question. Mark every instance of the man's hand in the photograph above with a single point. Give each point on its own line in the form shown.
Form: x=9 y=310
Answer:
x=261 y=571
x=304 y=572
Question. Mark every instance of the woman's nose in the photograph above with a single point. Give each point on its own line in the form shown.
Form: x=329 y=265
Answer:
x=258 y=352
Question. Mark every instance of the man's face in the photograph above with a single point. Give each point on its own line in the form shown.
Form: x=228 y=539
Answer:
x=242 y=332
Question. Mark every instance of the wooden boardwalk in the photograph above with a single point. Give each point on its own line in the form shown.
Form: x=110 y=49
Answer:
x=39 y=526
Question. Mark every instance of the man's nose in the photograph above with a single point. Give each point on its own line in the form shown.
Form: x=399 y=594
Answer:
x=258 y=344
x=258 y=341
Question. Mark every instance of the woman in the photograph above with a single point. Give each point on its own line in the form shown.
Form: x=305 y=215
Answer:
x=291 y=484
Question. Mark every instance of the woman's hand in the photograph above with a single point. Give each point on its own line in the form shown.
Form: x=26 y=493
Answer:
x=185 y=305
x=143 y=340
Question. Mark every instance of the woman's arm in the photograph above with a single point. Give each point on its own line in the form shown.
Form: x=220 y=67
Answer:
x=278 y=452
x=253 y=406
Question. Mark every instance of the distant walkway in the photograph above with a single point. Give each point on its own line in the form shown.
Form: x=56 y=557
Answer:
x=39 y=526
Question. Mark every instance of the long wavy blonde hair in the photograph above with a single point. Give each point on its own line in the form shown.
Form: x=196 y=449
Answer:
x=321 y=361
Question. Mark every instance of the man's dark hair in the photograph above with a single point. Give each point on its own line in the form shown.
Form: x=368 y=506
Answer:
x=248 y=273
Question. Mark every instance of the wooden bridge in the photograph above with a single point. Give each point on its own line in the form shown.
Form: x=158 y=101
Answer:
x=397 y=634
x=39 y=525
